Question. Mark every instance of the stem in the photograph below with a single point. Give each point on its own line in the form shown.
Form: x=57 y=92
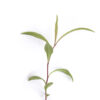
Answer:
x=48 y=74
x=54 y=45
x=47 y=79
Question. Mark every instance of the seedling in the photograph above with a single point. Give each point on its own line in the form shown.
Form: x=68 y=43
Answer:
x=49 y=51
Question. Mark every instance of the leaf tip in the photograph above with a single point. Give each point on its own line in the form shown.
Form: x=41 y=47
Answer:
x=28 y=79
x=93 y=31
x=72 y=79
x=23 y=33
x=57 y=17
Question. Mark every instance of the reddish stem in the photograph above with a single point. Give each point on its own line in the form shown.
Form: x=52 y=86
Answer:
x=48 y=73
x=47 y=79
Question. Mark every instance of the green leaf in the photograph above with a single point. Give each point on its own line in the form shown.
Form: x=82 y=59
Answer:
x=47 y=95
x=35 y=78
x=49 y=50
x=76 y=29
x=37 y=35
x=65 y=71
x=56 y=28
x=48 y=85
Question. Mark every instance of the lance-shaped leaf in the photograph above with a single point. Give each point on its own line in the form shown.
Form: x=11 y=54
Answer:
x=36 y=78
x=48 y=85
x=76 y=29
x=49 y=50
x=56 y=28
x=65 y=71
x=37 y=35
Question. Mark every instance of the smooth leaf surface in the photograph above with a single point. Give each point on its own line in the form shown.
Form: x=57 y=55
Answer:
x=35 y=34
x=76 y=29
x=56 y=28
x=49 y=50
x=65 y=71
x=48 y=85
x=36 y=78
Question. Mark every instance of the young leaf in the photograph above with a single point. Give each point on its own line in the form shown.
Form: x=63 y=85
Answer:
x=65 y=71
x=56 y=28
x=48 y=85
x=37 y=35
x=49 y=50
x=76 y=29
x=47 y=95
x=36 y=78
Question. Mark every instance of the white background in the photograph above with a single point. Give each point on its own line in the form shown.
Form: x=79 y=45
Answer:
x=22 y=56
